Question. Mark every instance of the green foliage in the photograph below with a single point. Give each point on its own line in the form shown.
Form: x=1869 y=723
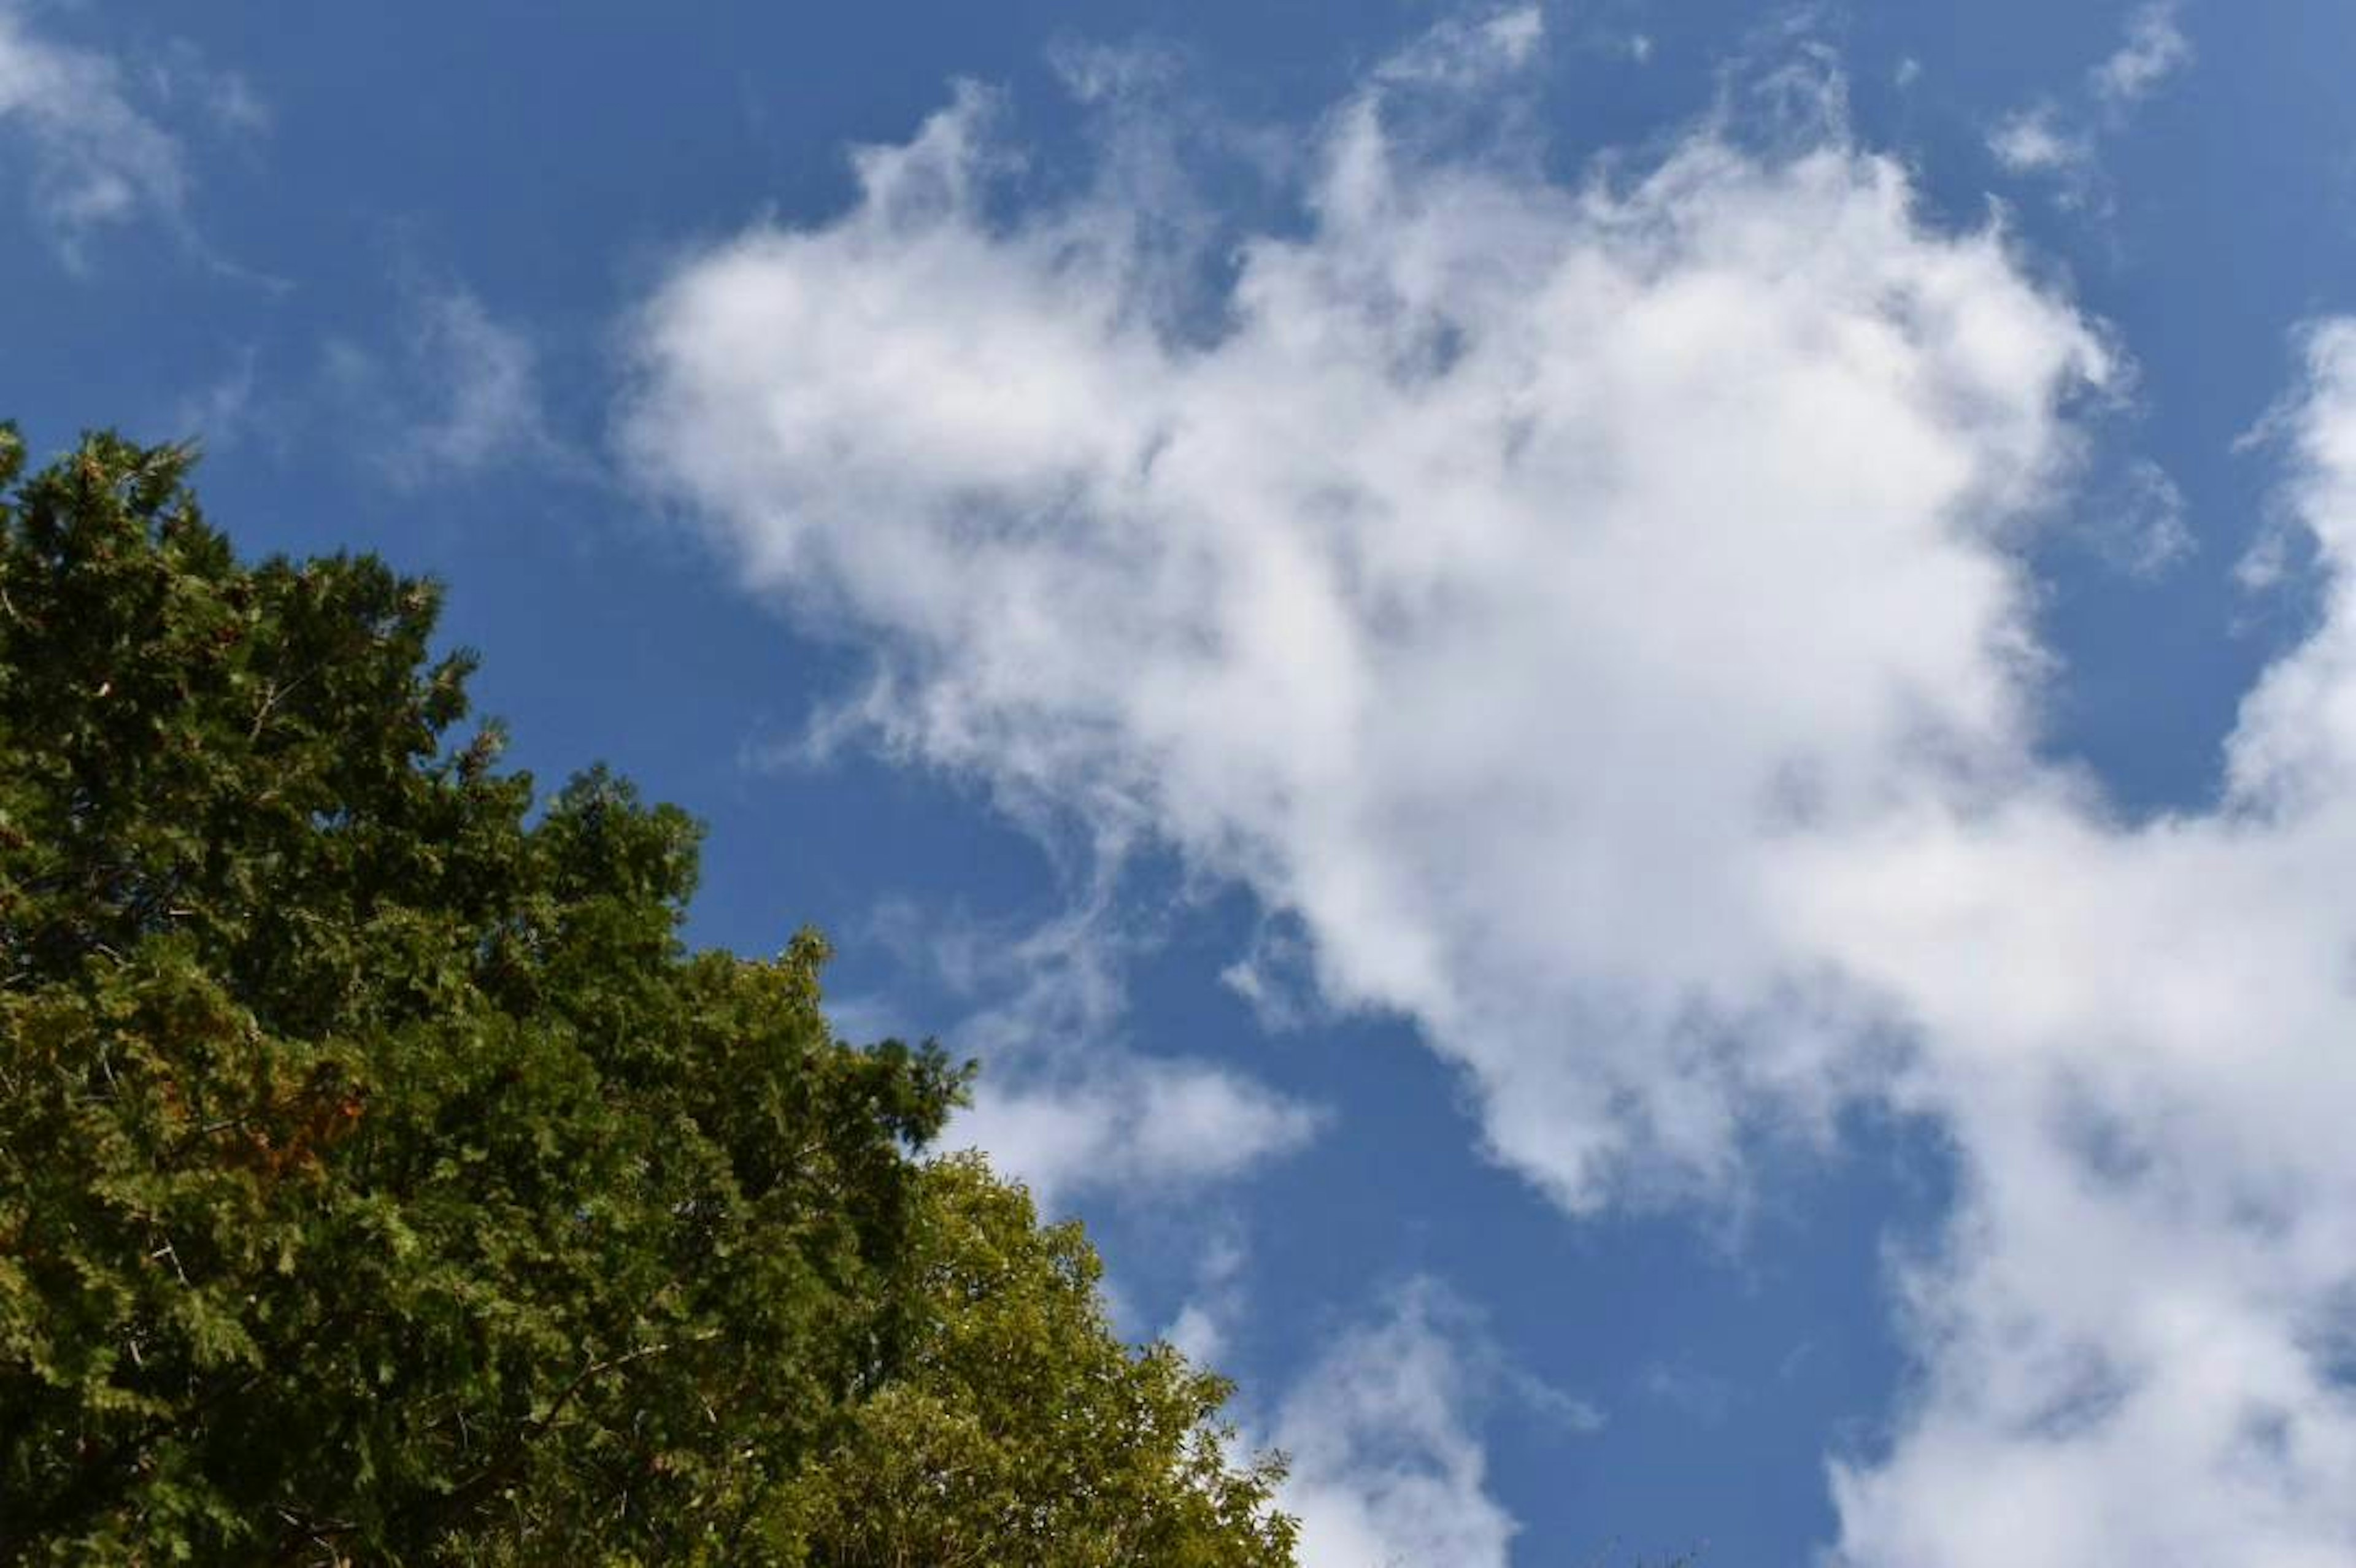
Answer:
x=382 y=1181
x=1121 y=1463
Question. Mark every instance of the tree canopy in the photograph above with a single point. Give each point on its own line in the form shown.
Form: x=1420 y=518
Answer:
x=382 y=1180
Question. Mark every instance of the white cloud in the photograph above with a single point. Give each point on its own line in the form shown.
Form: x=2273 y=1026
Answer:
x=1468 y=47
x=1142 y=1126
x=2137 y=1337
x=1491 y=499
x=2062 y=143
x=216 y=414
x=2034 y=140
x=96 y=160
x=2135 y=523
x=1597 y=616
x=1064 y=1104
x=1389 y=1469
x=2155 y=49
x=1277 y=977
x=178 y=78
x=1204 y=1321
x=460 y=395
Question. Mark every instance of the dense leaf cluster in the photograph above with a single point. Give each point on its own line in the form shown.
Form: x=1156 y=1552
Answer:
x=382 y=1181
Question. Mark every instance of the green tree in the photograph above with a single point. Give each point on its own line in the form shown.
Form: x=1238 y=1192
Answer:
x=1068 y=1451
x=381 y=1181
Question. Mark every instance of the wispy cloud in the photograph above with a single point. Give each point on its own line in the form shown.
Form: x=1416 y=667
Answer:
x=97 y=161
x=2062 y=141
x=104 y=138
x=1065 y=1104
x=2155 y=49
x=1383 y=1432
x=1204 y=1321
x=2139 y=527
x=2036 y=141
x=459 y=395
x=220 y=413
x=1697 y=1395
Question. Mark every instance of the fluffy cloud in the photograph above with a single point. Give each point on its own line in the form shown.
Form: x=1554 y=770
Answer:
x=1512 y=571
x=2139 y=1337
x=96 y=159
x=1595 y=617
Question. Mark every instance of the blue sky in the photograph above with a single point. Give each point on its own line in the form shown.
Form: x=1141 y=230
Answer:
x=1626 y=727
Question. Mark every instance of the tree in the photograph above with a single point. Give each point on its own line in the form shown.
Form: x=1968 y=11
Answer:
x=1068 y=1451
x=381 y=1181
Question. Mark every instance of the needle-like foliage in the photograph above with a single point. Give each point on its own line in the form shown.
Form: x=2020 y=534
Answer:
x=381 y=1181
